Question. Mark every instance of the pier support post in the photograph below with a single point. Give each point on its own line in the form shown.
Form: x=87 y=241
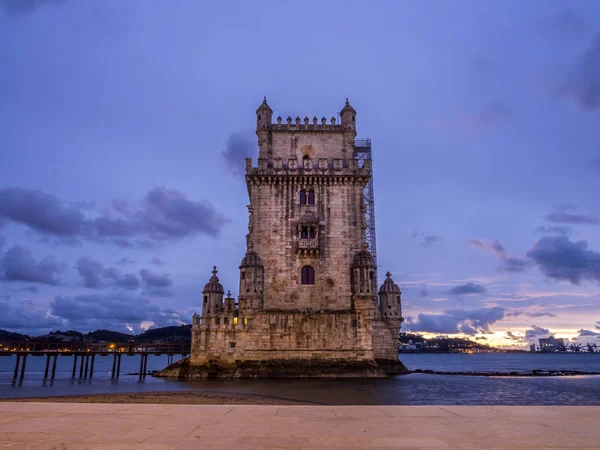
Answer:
x=23 y=366
x=87 y=361
x=145 y=364
x=47 y=366
x=54 y=366
x=141 y=365
x=17 y=366
x=74 y=365
x=114 y=365
x=81 y=366
x=92 y=366
x=119 y=366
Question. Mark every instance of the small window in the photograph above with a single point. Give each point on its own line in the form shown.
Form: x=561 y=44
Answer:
x=235 y=320
x=398 y=299
x=304 y=233
x=308 y=275
x=311 y=233
x=311 y=197
x=232 y=345
x=205 y=298
x=305 y=161
x=303 y=197
x=217 y=321
x=370 y=275
x=243 y=275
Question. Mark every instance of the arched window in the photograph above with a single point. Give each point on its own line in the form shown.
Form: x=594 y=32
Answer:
x=308 y=275
x=304 y=233
x=311 y=233
x=311 y=197
x=303 y=197
x=305 y=161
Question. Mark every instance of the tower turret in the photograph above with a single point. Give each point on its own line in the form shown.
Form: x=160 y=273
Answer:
x=348 y=117
x=389 y=299
x=212 y=303
x=363 y=273
x=264 y=115
x=251 y=283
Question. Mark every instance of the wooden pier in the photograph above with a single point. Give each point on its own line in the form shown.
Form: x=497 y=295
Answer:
x=86 y=353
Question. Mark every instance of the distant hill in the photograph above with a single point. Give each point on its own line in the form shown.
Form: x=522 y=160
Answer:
x=165 y=334
x=180 y=333
x=14 y=337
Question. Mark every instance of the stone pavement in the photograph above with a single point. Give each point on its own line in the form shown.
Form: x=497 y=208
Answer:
x=144 y=426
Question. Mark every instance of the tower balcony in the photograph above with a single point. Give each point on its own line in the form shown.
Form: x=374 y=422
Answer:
x=308 y=247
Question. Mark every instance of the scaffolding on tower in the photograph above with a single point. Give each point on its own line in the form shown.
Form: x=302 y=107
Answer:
x=362 y=152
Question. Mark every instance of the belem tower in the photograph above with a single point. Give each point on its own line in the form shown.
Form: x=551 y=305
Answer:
x=308 y=303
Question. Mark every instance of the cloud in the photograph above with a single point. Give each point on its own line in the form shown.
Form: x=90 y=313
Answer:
x=25 y=315
x=157 y=261
x=555 y=229
x=96 y=276
x=41 y=212
x=515 y=264
x=536 y=331
x=2 y=241
x=561 y=215
x=239 y=147
x=125 y=262
x=483 y=65
x=18 y=264
x=514 y=337
x=563 y=260
x=118 y=311
x=564 y=23
x=26 y=6
x=423 y=293
x=582 y=85
x=477 y=243
x=518 y=313
x=163 y=215
x=493 y=114
x=157 y=285
x=597 y=325
x=428 y=240
x=583 y=332
x=467 y=289
x=498 y=247
x=457 y=321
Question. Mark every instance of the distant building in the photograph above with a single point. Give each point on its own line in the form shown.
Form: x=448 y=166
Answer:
x=532 y=348
x=551 y=344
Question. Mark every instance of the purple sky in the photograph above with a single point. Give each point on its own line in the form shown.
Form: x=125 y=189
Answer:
x=123 y=128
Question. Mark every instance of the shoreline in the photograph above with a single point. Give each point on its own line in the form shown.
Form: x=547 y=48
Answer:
x=164 y=398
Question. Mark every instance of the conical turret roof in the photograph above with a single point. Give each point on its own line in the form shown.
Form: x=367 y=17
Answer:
x=213 y=284
x=389 y=286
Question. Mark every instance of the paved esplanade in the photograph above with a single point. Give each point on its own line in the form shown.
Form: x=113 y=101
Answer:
x=129 y=426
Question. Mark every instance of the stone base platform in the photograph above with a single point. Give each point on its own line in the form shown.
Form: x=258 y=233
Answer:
x=285 y=369
x=158 y=427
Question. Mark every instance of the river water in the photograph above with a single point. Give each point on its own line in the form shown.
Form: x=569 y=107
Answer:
x=412 y=389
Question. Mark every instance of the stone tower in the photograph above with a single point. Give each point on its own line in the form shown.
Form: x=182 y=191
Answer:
x=307 y=304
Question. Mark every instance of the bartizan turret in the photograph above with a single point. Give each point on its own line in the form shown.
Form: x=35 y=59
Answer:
x=212 y=302
x=389 y=299
x=348 y=118
x=251 y=284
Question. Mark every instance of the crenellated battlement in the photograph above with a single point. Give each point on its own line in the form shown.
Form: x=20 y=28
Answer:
x=307 y=125
x=309 y=167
